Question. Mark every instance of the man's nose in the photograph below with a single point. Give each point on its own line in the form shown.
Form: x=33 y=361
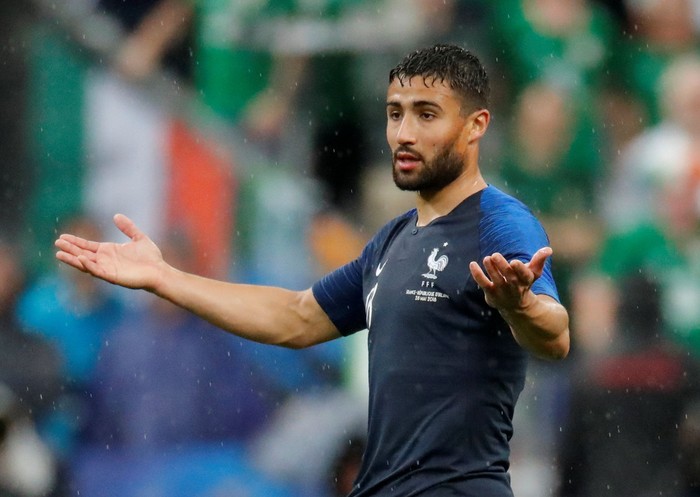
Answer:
x=406 y=131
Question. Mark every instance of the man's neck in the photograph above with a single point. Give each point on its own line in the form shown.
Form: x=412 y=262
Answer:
x=432 y=205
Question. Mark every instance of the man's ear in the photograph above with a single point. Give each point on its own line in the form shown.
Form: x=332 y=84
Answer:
x=479 y=123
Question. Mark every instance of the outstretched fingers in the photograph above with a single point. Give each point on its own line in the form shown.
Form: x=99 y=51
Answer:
x=70 y=259
x=75 y=247
x=496 y=270
x=73 y=250
x=78 y=243
x=79 y=258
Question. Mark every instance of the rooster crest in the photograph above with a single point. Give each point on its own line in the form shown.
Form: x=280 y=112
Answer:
x=435 y=264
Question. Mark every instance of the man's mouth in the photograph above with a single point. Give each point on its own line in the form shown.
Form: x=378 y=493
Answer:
x=406 y=161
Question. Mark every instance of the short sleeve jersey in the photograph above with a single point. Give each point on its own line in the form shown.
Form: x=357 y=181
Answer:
x=444 y=369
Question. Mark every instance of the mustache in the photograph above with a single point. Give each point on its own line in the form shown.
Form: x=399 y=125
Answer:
x=406 y=150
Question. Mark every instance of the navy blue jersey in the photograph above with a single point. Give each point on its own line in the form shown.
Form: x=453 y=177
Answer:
x=444 y=369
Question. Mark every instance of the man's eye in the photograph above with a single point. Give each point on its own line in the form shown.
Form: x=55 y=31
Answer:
x=427 y=116
x=394 y=115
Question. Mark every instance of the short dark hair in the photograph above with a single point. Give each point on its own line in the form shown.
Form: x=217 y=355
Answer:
x=452 y=64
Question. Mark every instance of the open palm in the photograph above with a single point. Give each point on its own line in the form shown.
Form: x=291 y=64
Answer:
x=506 y=284
x=134 y=264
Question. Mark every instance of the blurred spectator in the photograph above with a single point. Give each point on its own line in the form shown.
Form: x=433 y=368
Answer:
x=656 y=178
x=566 y=46
x=165 y=378
x=622 y=254
x=16 y=175
x=659 y=32
x=346 y=466
x=555 y=171
x=29 y=365
x=594 y=304
x=98 y=141
x=74 y=313
x=652 y=202
x=243 y=81
x=120 y=144
x=689 y=440
x=289 y=74
x=307 y=438
x=626 y=405
x=650 y=206
x=126 y=128
x=157 y=37
x=146 y=401
x=569 y=45
x=286 y=221
x=30 y=386
x=27 y=467
x=565 y=43
x=655 y=33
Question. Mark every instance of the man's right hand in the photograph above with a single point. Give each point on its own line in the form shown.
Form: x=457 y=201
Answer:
x=135 y=264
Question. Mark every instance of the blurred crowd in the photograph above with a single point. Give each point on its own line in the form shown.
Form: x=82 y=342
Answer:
x=246 y=137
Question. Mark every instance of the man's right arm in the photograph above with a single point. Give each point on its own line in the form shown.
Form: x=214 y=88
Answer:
x=261 y=313
x=264 y=314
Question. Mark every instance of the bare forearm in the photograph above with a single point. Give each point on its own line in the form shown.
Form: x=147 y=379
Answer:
x=164 y=24
x=540 y=326
x=260 y=313
x=142 y=51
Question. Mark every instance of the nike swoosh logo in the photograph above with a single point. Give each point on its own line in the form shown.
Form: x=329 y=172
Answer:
x=380 y=268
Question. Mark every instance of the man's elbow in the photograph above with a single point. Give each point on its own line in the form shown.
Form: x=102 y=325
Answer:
x=292 y=339
x=557 y=346
x=296 y=342
x=309 y=325
x=556 y=349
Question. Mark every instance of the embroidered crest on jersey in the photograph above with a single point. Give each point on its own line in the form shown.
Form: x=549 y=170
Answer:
x=435 y=264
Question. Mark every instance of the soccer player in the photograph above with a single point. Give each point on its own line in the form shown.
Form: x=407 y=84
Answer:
x=454 y=293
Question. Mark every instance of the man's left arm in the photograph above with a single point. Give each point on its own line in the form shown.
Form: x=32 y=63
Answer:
x=539 y=323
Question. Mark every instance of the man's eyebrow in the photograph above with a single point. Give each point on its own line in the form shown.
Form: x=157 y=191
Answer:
x=417 y=103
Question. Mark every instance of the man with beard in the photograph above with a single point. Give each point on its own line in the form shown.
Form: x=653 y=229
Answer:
x=454 y=293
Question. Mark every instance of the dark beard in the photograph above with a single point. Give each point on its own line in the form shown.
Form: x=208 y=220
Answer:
x=445 y=167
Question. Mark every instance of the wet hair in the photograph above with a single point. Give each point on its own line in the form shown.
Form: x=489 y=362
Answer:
x=452 y=64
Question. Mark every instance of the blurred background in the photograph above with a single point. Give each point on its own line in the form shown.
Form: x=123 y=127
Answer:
x=246 y=137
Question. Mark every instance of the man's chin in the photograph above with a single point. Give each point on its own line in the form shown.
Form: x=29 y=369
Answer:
x=405 y=182
x=407 y=188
